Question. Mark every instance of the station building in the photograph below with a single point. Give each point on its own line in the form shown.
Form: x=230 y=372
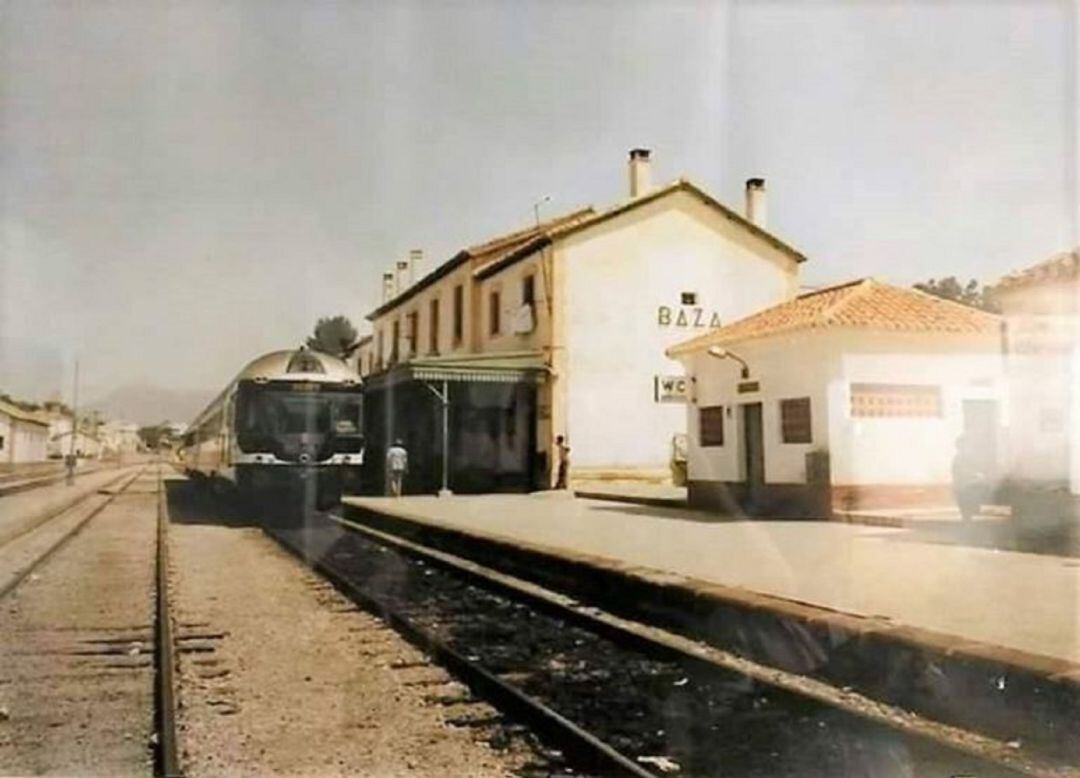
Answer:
x=561 y=328
x=24 y=435
x=1041 y=310
x=845 y=398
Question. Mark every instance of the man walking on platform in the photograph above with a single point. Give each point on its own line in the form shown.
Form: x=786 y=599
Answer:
x=397 y=463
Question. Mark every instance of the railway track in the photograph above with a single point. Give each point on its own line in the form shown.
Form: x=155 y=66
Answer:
x=73 y=649
x=621 y=697
x=42 y=525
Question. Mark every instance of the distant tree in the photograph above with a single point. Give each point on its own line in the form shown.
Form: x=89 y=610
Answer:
x=972 y=293
x=334 y=335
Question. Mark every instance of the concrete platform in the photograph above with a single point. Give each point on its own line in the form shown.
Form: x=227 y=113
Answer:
x=1026 y=606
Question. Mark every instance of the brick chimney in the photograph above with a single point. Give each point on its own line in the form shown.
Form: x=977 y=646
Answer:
x=640 y=172
x=388 y=286
x=402 y=275
x=416 y=265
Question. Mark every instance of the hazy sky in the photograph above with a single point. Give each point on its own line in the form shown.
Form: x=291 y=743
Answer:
x=188 y=184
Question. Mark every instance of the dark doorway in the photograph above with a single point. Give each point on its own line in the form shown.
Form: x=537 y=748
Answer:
x=753 y=451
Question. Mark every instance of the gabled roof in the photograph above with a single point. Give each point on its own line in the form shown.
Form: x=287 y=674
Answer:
x=864 y=304
x=15 y=412
x=1059 y=268
x=480 y=254
x=548 y=236
x=493 y=255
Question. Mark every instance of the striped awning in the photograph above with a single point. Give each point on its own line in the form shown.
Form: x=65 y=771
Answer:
x=502 y=368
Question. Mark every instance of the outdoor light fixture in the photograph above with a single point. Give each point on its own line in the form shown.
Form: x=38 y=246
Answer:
x=722 y=353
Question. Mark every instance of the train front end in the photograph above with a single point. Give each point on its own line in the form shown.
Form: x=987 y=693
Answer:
x=299 y=434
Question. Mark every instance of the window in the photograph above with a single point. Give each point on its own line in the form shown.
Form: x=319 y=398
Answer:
x=895 y=400
x=494 y=306
x=413 y=322
x=711 y=426
x=689 y=298
x=1 y=442
x=528 y=289
x=795 y=420
x=459 y=313
x=433 y=327
x=395 y=340
x=379 y=347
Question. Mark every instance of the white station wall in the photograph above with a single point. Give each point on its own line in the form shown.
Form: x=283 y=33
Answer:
x=618 y=278
x=905 y=450
x=822 y=366
x=784 y=368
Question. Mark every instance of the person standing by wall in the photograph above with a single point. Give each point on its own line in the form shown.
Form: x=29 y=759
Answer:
x=969 y=479
x=397 y=463
x=564 y=462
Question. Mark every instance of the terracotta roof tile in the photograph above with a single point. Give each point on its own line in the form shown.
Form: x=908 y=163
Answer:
x=1060 y=267
x=863 y=304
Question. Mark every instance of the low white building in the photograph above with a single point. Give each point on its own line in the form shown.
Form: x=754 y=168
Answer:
x=24 y=435
x=852 y=397
x=87 y=446
x=1041 y=310
x=119 y=438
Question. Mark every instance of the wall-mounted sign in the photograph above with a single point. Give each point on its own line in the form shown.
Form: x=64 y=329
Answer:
x=671 y=388
x=686 y=316
x=748 y=387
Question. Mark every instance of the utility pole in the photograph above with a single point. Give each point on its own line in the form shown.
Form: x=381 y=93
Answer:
x=74 y=425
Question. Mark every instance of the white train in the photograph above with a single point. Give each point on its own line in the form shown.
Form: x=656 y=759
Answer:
x=289 y=426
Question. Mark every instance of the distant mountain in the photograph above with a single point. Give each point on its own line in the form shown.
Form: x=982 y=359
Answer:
x=152 y=404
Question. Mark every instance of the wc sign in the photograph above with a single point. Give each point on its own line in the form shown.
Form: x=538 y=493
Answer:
x=671 y=388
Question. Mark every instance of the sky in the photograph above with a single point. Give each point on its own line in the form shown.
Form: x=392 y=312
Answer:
x=186 y=185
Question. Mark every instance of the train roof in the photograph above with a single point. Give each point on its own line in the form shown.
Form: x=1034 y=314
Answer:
x=300 y=365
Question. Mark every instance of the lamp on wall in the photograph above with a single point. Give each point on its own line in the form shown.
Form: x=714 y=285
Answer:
x=722 y=353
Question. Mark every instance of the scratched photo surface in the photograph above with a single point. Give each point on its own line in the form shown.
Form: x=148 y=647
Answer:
x=528 y=388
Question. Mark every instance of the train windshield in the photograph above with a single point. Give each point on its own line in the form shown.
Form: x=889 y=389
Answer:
x=271 y=412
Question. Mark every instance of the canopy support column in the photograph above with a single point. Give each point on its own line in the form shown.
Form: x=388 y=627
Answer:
x=444 y=400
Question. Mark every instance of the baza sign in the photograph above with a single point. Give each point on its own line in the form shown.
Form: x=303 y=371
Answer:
x=671 y=388
x=683 y=316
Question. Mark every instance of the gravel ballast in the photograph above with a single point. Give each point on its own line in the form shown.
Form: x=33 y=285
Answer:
x=281 y=675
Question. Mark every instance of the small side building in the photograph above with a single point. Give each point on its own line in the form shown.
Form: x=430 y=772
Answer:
x=24 y=435
x=852 y=397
